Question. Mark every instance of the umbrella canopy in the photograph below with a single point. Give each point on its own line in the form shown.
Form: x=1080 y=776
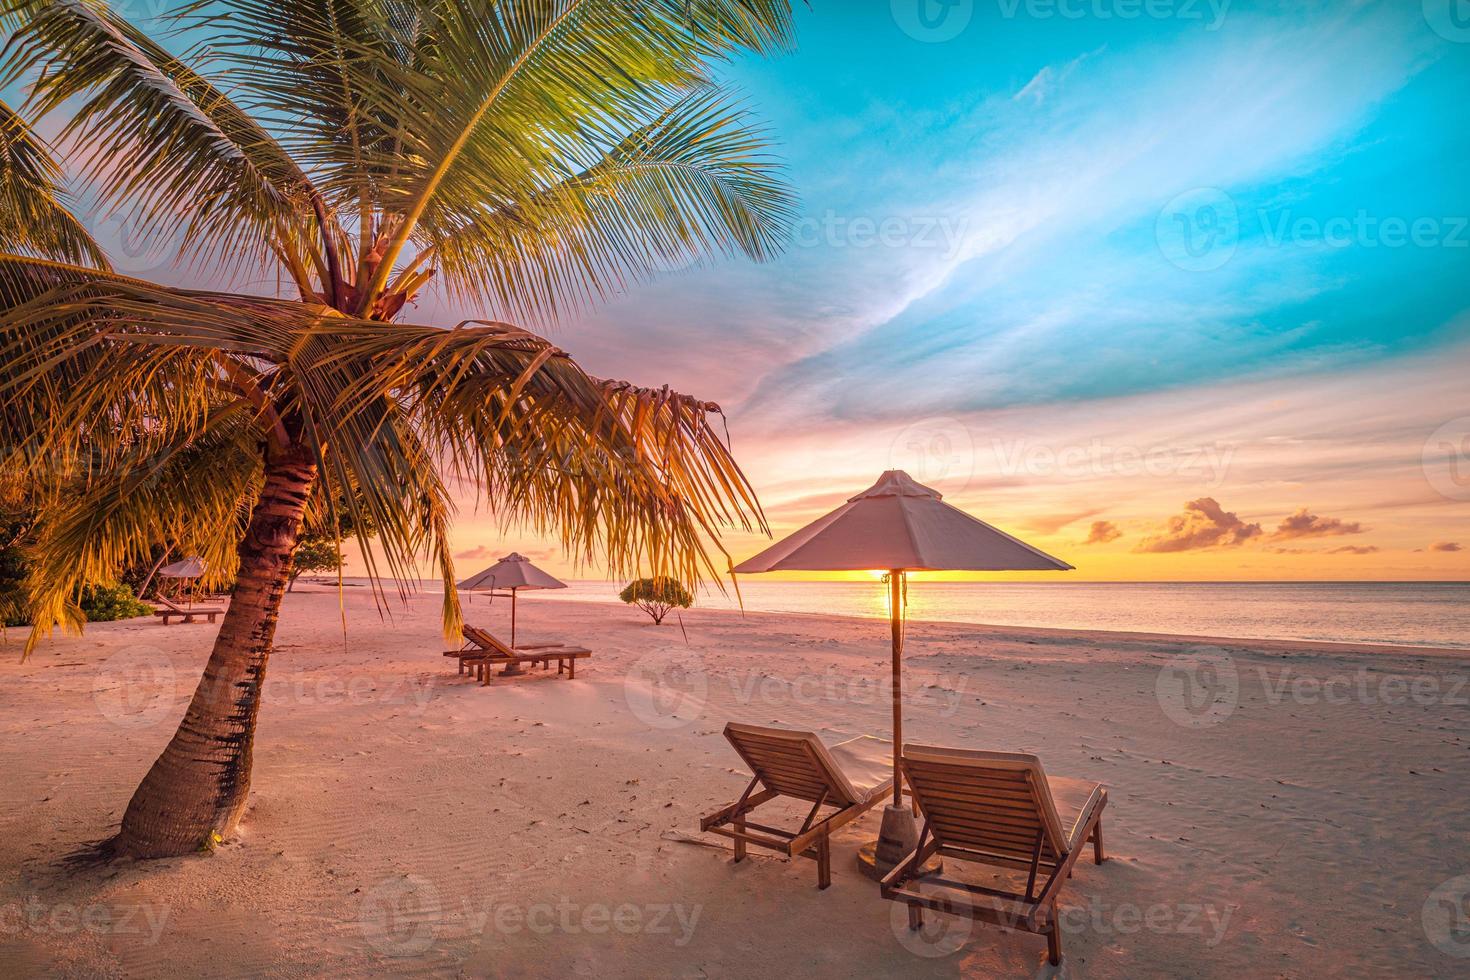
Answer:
x=898 y=524
x=192 y=567
x=514 y=571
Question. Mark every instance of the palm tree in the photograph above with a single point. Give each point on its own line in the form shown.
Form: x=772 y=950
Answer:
x=530 y=155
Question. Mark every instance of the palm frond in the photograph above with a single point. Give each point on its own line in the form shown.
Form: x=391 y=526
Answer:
x=696 y=182
x=35 y=216
x=167 y=144
x=634 y=477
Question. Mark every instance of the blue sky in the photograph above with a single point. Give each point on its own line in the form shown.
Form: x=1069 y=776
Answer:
x=1033 y=215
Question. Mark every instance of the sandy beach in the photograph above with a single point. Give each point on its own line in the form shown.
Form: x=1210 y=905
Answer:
x=1302 y=816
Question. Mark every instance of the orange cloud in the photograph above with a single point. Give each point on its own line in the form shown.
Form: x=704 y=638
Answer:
x=1445 y=546
x=1102 y=532
x=1204 y=524
x=1355 y=549
x=1305 y=524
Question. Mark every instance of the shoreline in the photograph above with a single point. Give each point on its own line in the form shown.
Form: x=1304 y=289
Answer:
x=1001 y=630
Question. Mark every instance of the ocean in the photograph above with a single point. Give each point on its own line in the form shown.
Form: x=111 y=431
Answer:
x=1433 y=614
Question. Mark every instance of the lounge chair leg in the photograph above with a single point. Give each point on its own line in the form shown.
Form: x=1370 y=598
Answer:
x=1054 y=939
x=824 y=863
x=739 y=843
x=1098 y=857
x=571 y=670
x=916 y=918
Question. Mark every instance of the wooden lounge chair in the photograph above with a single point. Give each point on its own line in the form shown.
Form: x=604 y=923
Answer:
x=851 y=777
x=172 y=610
x=482 y=651
x=998 y=809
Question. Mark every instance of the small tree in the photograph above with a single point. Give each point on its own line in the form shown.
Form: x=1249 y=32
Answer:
x=657 y=596
x=314 y=554
x=107 y=602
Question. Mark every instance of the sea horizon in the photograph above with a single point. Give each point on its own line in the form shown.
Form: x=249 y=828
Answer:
x=1420 y=613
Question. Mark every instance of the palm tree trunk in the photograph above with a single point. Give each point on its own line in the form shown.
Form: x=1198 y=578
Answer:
x=195 y=794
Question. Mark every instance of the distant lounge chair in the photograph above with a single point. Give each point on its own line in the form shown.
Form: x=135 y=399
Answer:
x=852 y=776
x=172 y=610
x=482 y=650
x=998 y=809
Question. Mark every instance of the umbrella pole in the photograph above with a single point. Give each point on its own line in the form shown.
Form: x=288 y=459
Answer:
x=895 y=615
x=512 y=619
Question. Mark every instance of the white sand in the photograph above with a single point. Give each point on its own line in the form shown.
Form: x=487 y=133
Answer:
x=406 y=820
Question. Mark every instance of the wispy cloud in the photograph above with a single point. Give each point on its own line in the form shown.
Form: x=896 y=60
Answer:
x=1305 y=524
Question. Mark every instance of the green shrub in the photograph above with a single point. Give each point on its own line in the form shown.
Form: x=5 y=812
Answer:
x=105 y=603
x=657 y=596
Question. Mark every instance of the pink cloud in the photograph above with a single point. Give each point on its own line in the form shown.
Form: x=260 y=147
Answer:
x=1102 y=532
x=1203 y=524
x=1305 y=524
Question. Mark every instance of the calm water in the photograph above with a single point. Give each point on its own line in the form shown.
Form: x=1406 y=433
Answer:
x=1419 y=613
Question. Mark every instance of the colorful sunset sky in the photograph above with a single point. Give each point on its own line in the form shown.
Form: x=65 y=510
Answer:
x=1172 y=290
x=1172 y=298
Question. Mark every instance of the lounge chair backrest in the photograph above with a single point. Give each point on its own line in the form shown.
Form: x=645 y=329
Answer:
x=992 y=802
x=486 y=641
x=792 y=763
x=170 y=603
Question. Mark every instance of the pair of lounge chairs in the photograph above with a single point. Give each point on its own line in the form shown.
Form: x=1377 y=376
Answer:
x=172 y=610
x=996 y=809
x=482 y=651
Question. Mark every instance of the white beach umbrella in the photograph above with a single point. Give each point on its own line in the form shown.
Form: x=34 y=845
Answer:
x=191 y=567
x=899 y=526
x=508 y=576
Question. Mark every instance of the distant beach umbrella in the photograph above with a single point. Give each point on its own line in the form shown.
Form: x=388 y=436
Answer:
x=192 y=567
x=508 y=576
x=898 y=526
